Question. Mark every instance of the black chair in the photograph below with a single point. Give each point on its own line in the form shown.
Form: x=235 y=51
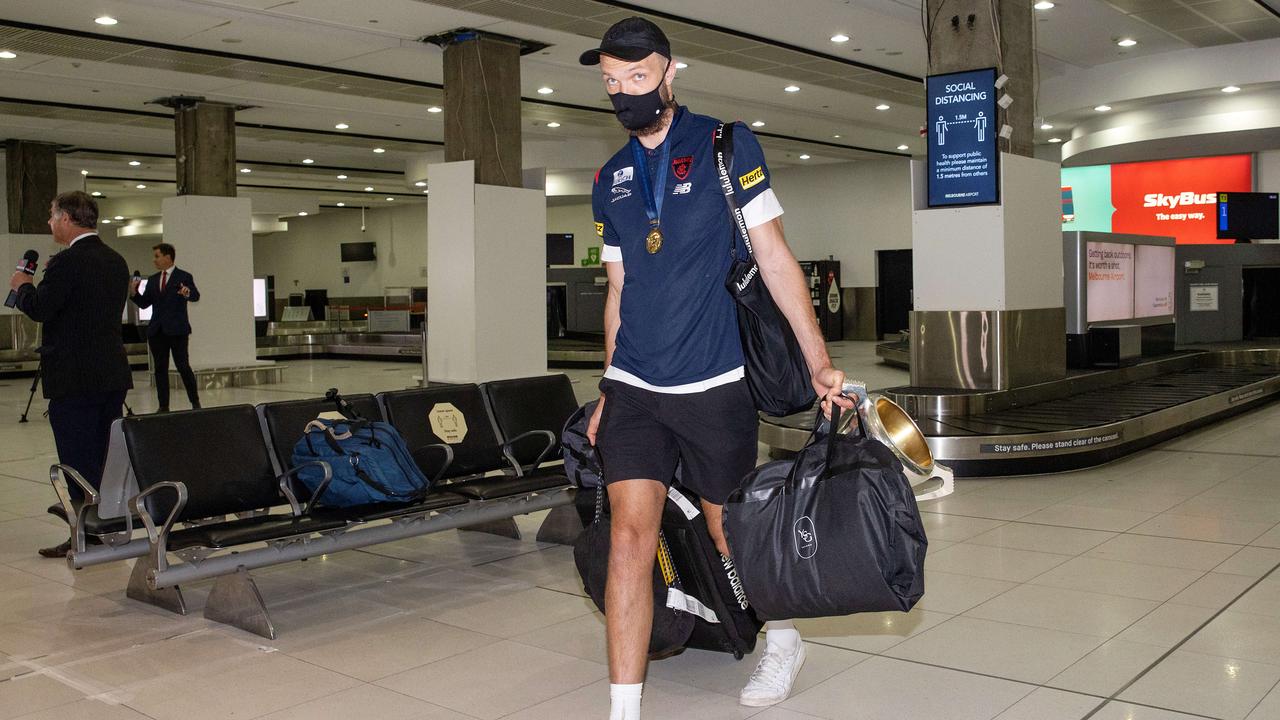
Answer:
x=529 y=412
x=283 y=423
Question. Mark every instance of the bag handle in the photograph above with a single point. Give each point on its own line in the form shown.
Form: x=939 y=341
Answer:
x=722 y=144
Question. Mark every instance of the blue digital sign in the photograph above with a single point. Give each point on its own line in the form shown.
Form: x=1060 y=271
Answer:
x=962 y=127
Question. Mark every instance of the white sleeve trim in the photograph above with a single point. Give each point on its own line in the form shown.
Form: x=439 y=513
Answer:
x=762 y=209
x=610 y=253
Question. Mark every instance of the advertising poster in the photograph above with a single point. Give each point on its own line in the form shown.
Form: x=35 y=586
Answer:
x=1153 y=281
x=1172 y=198
x=1109 y=285
x=963 y=163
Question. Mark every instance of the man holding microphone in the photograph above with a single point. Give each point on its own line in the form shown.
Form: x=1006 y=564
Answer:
x=169 y=331
x=84 y=368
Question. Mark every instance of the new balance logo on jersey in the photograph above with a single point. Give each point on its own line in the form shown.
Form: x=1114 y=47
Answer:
x=682 y=188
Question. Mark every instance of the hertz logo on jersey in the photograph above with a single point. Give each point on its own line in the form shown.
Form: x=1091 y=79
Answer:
x=753 y=178
x=599 y=229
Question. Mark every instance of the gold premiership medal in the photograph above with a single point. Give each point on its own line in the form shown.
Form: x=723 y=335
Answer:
x=653 y=241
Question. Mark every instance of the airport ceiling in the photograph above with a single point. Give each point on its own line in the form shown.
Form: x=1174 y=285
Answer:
x=303 y=67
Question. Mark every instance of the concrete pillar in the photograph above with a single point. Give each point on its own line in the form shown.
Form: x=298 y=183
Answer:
x=205 y=146
x=31 y=183
x=482 y=106
x=486 y=278
x=958 y=43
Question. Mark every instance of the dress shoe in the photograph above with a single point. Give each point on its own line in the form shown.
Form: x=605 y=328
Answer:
x=57 y=551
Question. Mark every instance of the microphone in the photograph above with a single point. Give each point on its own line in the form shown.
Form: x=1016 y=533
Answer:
x=30 y=260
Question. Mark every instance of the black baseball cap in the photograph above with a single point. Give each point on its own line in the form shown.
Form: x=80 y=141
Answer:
x=632 y=39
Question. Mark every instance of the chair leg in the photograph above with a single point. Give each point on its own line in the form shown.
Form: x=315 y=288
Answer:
x=506 y=527
x=235 y=600
x=169 y=598
x=562 y=526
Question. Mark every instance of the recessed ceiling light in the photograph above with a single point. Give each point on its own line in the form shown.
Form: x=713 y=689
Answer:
x=420 y=183
x=837 y=137
x=544 y=90
x=904 y=147
x=882 y=107
x=1103 y=108
x=758 y=123
x=341 y=126
x=105 y=20
x=379 y=150
x=553 y=124
x=342 y=204
x=1055 y=140
x=95 y=193
x=804 y=157
x=106 y=221
x=682 y=65
x=119 y=217
x=307 y=161
x=134 y=163
x=7 y=55
x=839 y=38
x=84 y=172
x=424 y=192
x=1231 y=89
x=434 y=109
x=1045 y=5
x=792 y=88
x=1046 y=126
x=1126 y=42
x=140 y=186
x=302 y=214
x=342 y=177
x=246 y=171
x=368 y=189
x=390 y=199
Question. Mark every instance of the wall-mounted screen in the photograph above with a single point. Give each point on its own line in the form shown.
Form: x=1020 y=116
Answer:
x=963 y=163
x=1153 y=281
x=559 y=248
x=260 y=298
x=1109 y=283
x=1248 y=216
x=359 y=251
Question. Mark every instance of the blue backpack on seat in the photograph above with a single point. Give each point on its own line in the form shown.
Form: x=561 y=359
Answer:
x=369 y=460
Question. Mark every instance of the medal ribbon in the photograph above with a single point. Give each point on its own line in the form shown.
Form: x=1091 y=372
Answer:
x=652 y=200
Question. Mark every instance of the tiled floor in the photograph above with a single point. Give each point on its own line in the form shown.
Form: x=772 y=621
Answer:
x=1147 y=589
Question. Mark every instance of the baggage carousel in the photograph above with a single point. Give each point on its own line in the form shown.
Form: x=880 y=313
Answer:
x=1086 y=419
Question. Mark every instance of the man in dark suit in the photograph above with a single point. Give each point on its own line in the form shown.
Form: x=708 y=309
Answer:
x=169 y=331
x=84 y=368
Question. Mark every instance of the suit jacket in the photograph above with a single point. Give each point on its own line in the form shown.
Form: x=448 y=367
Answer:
x=80 y=301
x=169 y=309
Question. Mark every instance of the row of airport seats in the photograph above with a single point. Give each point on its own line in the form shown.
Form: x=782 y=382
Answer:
x=217 y=494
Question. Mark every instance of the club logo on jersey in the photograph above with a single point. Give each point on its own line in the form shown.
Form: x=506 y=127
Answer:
x=682 y=188
x=599 y=229
x=623 y=175
x=753 y=178
x=681 y=166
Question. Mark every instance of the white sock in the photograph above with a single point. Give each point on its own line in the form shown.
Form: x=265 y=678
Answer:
x=624 y=701
x=782 y=634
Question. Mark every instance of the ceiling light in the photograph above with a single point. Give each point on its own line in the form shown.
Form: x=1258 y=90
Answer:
x=307 y=161
x=839 y=38
x=342 y=204
x=791 y=88
x=553 y=124
x=1231 y=89
x=882 y=107
x=904 y=147
x=682 y=65
x=544 y=90
x=368 y=189
x=1046 y=126
x=246 y=171
x=804 y=157
x=1055 y=140
x=342 y=177
x=105 y=20
x=390 y=199
x=837 y=137
x=106 y=221
x=1103 y=108
x=302 y=214
x=7 y=55
x=95 y=193
x=424 y=192
x=119 y=217
x=379 y=150
x=758 y=123
x=140 y=186
x=420 y=183
x=1126 y=42
x=434 y=109
x=84 y=172
x=134 y=163
x=1045 y=5
x=341 y=126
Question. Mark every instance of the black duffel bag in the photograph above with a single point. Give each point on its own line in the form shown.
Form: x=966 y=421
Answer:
x=776 y=372
x=834 y=531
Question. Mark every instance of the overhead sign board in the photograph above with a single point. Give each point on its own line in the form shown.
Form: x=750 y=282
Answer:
x=963 y=160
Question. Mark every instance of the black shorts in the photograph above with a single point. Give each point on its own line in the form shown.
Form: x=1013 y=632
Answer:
x=643 y=434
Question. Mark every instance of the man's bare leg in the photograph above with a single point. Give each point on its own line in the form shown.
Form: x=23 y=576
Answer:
x=636 y=515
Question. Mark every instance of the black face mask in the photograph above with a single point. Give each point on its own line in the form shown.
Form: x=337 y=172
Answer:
x=637 y=112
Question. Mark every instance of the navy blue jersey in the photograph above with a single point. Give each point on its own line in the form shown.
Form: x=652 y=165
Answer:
x=679 y=325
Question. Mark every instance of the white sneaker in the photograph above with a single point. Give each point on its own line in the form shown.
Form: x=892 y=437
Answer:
x=771 y=681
